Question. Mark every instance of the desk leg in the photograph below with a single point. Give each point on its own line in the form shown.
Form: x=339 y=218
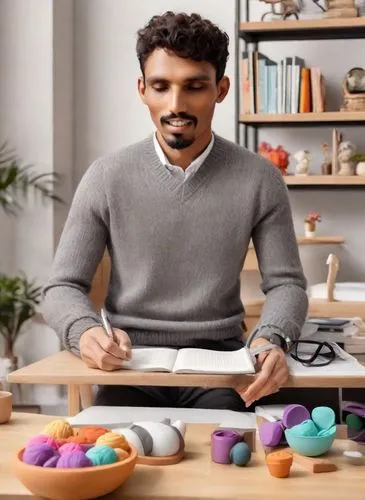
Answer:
x=86 y=394
x=73 y=397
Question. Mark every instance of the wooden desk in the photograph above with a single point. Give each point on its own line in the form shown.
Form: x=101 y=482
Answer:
x=64 y=368
x=196 y=477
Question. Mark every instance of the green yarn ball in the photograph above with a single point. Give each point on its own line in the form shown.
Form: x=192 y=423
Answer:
x=240 y=453
x=102 y=455
x=354 y=422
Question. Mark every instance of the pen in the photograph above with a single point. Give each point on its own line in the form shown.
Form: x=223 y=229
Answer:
x=106 y=324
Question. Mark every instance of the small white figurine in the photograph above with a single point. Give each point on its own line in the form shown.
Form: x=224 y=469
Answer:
x=303 y=159
x=156 y=439
x=345 y=153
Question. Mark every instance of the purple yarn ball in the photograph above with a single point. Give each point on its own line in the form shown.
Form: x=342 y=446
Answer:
x=37 y=454
x=52 y=462
x=43 y=439
x=73 y=460
x=70 y=448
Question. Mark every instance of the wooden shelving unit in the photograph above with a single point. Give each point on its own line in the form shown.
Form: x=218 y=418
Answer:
x=333 y=118
x=324 y=181
x=312 y=29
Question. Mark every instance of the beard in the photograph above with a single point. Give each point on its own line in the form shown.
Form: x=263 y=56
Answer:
x=178 y=141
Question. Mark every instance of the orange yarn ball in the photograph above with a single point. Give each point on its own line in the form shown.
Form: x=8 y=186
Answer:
x=88 y=434
x=59 y=429
x=113 y=440
x=122 y=454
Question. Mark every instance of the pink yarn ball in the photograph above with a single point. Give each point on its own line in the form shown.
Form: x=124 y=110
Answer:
x=70 y=448
x=52 y=462
x=43 y=439
x=73 y=460
x=37 y=454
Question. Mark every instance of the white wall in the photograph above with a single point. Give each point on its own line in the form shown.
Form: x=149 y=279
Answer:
x=27 y=121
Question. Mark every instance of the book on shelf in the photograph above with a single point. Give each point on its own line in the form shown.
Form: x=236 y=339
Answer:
x=190 y=360
x=287 y=86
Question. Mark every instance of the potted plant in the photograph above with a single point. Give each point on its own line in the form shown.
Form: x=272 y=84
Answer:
x=19 y=296
x=310 y=224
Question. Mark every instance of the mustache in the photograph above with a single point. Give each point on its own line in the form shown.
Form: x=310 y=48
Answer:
x=182 y=116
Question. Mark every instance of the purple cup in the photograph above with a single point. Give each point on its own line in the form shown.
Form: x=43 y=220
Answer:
x=271 y=433
x=221 y=443
x=295 y=415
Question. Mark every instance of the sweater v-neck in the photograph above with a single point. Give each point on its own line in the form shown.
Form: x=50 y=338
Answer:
x=183 y=188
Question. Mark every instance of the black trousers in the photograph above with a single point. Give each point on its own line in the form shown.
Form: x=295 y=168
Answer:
x=220 y=398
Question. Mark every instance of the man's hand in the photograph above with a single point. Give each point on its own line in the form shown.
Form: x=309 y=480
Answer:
x=98 y=350
x=273 y=373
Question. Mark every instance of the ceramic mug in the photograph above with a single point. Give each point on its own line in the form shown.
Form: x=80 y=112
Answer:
x=6 y=406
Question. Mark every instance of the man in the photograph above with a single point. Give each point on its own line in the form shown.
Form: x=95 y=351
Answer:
x=176 y=212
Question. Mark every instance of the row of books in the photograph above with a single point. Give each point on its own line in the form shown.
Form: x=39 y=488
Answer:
x=287 y=86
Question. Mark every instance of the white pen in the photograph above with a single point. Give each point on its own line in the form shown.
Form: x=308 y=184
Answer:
x=106 y=324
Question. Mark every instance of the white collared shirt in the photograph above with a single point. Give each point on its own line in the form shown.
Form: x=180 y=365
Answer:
x=175 y=169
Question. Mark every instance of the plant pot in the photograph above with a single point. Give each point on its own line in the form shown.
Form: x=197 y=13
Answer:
x=309 y=229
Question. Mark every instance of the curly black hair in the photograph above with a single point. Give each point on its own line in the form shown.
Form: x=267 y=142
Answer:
x=188 y=36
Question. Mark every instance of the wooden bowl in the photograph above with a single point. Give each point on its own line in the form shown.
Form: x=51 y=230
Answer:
x=74 y=484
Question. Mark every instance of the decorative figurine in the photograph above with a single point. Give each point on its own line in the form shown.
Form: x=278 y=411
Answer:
x=310 y=224
x=303 y=159
x=326 y=167
x=345 y=153
x=353 y=87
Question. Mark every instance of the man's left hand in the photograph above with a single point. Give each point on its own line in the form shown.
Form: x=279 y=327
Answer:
x=272 y=373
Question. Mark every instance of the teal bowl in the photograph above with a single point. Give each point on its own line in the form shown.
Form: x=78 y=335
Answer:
x=310 y=446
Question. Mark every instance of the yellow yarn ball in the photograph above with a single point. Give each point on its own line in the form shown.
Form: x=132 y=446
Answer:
x=122 y=454
x=59 y=429
x=113 y=440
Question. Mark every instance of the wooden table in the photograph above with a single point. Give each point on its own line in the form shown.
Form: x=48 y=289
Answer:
x=196 y=477
x=64 y=368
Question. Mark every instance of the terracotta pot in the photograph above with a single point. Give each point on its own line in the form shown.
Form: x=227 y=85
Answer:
x=279 y=463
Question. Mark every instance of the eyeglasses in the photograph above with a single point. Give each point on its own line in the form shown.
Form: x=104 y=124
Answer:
x=306 y=353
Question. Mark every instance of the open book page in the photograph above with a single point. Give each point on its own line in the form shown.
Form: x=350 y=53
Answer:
x=193 y=360
x=152 y=359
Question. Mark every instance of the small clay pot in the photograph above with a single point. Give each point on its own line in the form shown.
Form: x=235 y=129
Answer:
x=279 y=463
x=6 y=406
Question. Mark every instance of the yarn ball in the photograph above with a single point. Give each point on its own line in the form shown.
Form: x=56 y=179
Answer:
x=240 y=453
x=73 y=460
x=88 y=434
x=59 y=429
x=102 y=455
x=70 y=448
x=37 y=454
x=122 y=454
x=113 y=440
x=354 y=422
x=52 y=462
x=43 y=439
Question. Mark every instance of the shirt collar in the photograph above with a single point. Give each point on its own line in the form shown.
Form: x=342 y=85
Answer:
x=195 y=164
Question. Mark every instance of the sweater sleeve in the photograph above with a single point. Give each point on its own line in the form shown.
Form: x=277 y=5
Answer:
x=66 y=306
x=283 y=280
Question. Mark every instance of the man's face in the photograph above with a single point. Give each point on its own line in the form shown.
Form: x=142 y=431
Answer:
x=181 y=95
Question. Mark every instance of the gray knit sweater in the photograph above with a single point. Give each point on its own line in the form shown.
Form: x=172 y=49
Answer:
x=177 y=249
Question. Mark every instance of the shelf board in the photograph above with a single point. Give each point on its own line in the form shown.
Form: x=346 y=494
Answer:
x=324 y=181
x=251 y=263
x=308 y=29
x=303 y=119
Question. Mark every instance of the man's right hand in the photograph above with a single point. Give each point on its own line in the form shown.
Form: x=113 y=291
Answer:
x=98 y=350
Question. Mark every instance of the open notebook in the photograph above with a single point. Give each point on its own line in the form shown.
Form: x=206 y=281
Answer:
x=190 y=360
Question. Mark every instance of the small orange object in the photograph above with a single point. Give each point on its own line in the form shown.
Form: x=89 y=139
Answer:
x=279 y=463
x=88 y=434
